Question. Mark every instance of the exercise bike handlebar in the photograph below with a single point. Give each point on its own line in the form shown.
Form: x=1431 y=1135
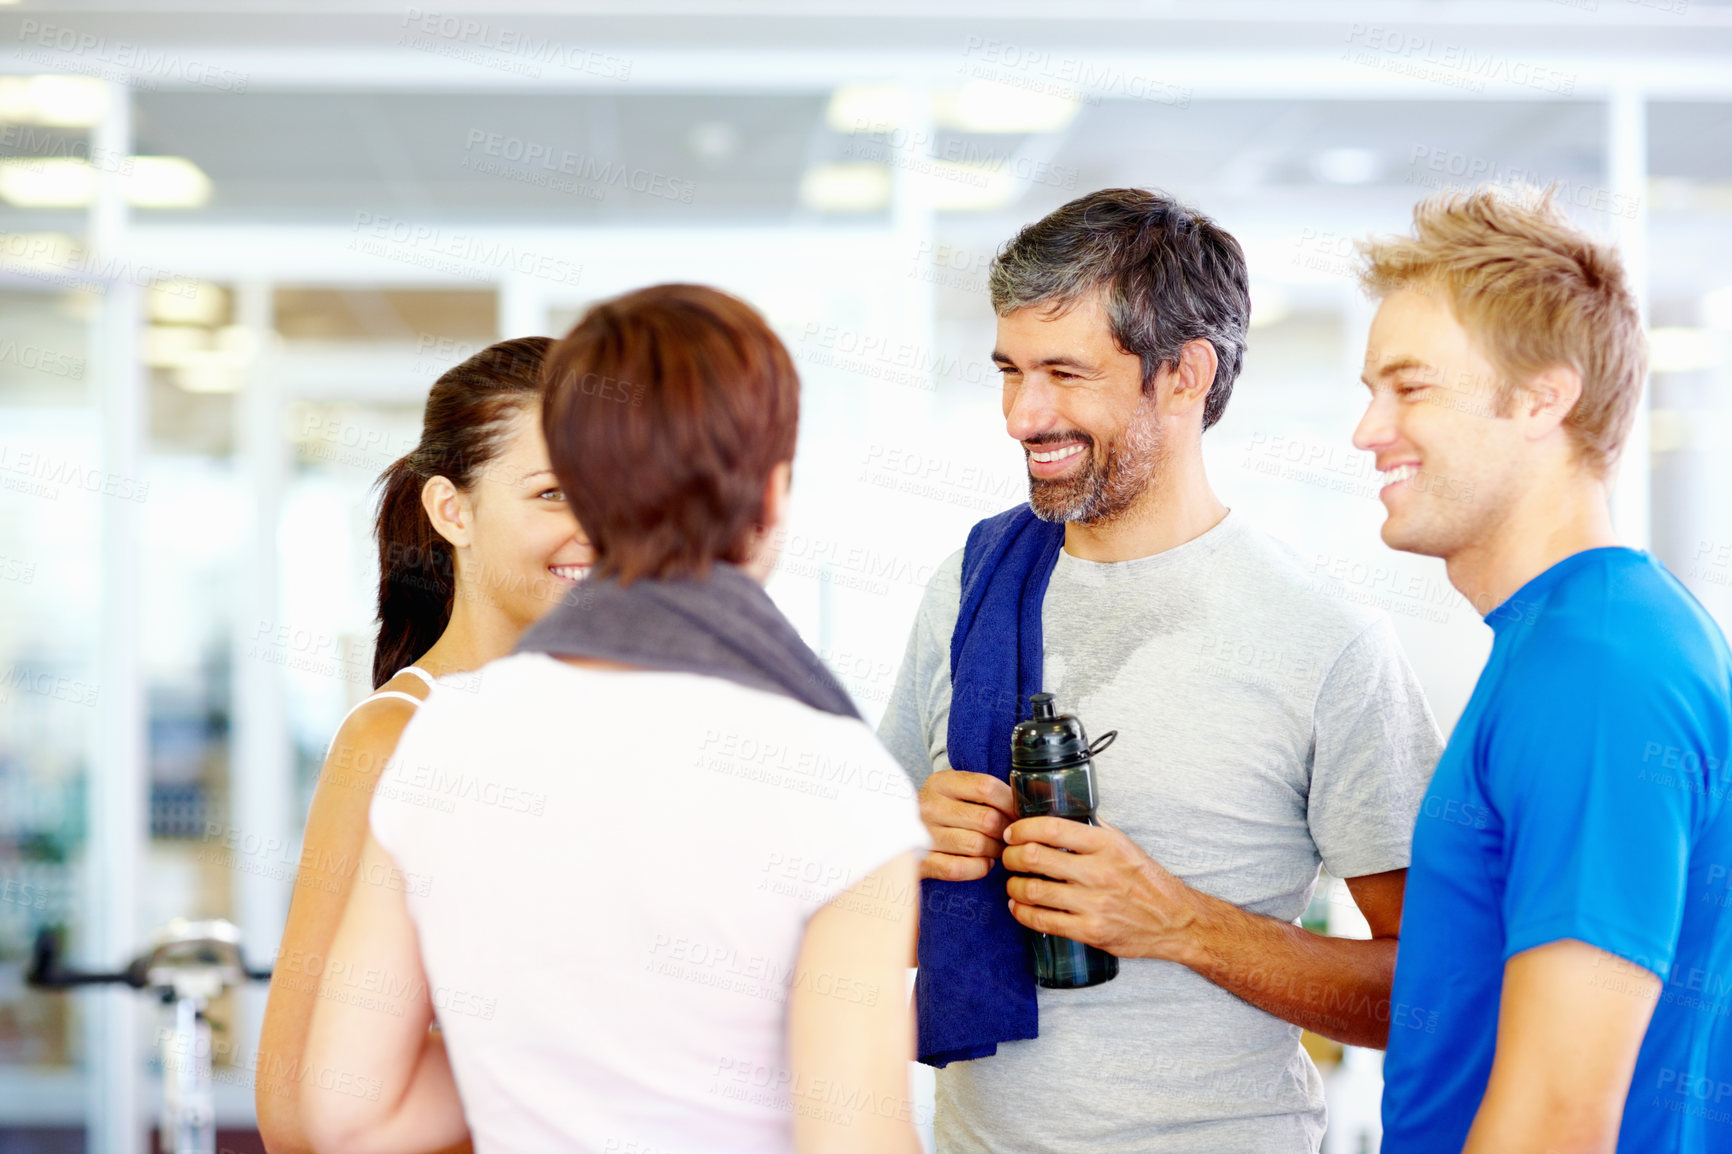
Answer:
x=47 y=972
x=211 y=943
x=187 y=964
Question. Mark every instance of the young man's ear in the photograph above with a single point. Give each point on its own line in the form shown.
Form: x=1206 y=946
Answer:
x=449 y=509
x=1547 y=400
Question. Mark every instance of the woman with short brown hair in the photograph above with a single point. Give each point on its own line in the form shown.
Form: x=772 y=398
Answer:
x=663 y=874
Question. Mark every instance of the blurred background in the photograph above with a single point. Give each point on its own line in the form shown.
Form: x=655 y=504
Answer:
x=238 y=241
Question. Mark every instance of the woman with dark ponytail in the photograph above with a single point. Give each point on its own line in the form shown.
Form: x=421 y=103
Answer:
x=476 y=543
x=658 y=879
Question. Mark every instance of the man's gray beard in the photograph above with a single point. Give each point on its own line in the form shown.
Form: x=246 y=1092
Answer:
x=1103 y=491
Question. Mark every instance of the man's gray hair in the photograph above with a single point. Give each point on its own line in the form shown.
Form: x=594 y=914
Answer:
x=1171 y=276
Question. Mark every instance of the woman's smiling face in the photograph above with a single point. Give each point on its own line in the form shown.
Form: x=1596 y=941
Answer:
x=526 y=549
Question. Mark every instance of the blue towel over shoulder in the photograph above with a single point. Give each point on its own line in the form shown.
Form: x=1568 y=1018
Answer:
x=975 y=987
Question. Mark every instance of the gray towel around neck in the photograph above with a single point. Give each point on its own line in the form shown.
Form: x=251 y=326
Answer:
x=723 y=625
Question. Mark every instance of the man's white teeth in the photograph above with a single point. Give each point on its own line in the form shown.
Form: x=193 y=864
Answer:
x=1400 y=473
x=569 y=572
x=1057 y=454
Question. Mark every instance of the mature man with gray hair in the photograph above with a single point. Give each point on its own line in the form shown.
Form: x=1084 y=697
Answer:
x=1264 y=728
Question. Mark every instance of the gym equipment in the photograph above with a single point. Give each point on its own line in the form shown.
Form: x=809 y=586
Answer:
x=187 y=964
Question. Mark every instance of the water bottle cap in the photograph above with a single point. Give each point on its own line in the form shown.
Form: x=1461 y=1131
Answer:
x=1049 y=739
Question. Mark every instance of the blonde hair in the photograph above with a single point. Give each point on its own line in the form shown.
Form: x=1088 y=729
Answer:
x=1534 y=292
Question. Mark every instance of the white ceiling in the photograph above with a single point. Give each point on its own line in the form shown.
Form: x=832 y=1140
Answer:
x=725 y=103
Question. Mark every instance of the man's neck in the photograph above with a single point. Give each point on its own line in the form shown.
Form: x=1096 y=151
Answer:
x=1553 y=521
x=1178 y=506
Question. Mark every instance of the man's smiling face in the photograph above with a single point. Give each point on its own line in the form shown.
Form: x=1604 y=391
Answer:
x=1075 y=401
x=1453 y=462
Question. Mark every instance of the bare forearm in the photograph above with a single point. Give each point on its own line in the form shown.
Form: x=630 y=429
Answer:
x=1093 y=884
x=281 y=1075
x=336 y=830
x=1337 y=987
x=276 y=1086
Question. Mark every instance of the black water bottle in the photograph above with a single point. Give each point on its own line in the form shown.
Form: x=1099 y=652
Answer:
x=1052 y=774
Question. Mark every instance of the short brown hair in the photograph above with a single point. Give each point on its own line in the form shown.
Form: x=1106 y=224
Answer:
x=665 y=411
x=1533 y=291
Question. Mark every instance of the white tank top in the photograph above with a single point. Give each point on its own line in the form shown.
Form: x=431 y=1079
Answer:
x=657 y=1022
x=398 y=693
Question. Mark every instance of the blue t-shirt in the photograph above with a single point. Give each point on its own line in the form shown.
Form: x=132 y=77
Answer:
x=1584 y=794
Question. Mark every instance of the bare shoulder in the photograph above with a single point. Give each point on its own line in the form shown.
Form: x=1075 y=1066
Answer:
x=337 y=819
x=369 y=735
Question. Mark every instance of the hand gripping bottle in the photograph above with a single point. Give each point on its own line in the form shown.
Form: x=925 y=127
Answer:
x=1052 y=774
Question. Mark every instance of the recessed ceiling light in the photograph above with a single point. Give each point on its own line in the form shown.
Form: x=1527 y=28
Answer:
x=846 y=187
x=982 y=106
x=62 y=182
x=46 y=182
x=214 y=362
x=1347 y=166
x=170 y=346
x=869 y=108
x=187 y=302
x=166 y=182
x=238 y=342
x=209 y=372
x=60 y=101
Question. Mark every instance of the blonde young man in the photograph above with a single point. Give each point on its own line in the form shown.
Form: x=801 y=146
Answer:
x=1566 y=947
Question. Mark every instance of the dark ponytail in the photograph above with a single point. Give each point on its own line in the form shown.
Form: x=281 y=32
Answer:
x=461 y=431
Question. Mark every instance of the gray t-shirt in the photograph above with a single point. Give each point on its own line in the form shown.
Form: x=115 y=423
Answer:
x=1265 y=726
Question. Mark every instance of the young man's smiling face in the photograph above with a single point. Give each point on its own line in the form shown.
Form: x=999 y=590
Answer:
x=1453 y=464
x=1075 y=401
